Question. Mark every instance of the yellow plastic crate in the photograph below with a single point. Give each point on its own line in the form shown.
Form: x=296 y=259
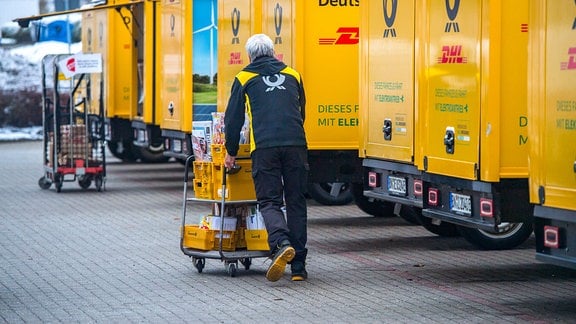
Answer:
x=202 y=170
x=239 y=186
x=256 y=240
x=203 y=187
x=218 y=152
x=205 y=239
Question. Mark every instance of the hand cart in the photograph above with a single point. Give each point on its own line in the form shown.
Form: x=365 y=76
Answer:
x=230 y=258
x=73 y=127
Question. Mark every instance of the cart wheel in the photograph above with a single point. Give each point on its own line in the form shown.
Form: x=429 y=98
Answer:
x=246 y=262
x=85 y=182
x=199 y=264
x=58 y=182
x=232 y=268
x=98 y=182
x=44 y=183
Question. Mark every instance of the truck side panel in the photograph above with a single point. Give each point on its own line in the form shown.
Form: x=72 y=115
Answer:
x=320 y=40
x=552 y=114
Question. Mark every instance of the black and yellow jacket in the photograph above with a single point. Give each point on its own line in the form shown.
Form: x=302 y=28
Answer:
x=272 y=94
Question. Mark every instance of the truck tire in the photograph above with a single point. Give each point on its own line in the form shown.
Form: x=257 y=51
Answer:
x=375 y=208
x=443 y=229
x=409 y=214
x=151 y=154
x=513 y=235
x=331 y=194
x=122 y=150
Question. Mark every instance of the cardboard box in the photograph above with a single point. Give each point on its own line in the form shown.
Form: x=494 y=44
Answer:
x=255 y=221
x=241 y=238
x=215 y=223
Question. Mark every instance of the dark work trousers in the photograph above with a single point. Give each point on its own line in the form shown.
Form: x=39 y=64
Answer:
x=281 y=174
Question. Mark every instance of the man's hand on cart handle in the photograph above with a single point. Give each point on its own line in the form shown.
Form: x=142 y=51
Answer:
x=229 y=161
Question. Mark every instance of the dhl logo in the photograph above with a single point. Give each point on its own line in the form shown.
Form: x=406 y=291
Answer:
x=452 y=54
x=571 y=64
x=348 y=36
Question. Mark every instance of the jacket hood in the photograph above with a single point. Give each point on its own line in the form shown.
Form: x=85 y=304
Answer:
x=265 y=65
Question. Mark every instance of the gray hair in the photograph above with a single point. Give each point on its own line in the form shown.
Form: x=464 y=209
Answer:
x=259 y=45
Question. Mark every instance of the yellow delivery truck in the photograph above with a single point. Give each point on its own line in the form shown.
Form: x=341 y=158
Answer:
x=472 y=138
x=124 y=33
x=552 y=129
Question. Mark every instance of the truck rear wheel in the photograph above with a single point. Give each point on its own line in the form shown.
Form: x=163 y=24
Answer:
x=151 y=154
x=122 y=150
x=511 y=235
x=375 y=208
x=409 y=214
x=437 y=227
x=331 y=193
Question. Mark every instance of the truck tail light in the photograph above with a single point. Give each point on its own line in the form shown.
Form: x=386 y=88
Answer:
x=184 y=146
x=486 y=207
x=167 y=144
x=551 y=237
x=373 y=180
x=418 y=188
x=432 y=196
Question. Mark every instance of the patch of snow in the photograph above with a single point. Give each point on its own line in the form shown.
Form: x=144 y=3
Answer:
x=9 y=134
x=20 y=67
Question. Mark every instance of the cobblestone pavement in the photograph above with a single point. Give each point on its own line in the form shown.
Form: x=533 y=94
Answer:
x=114 y=257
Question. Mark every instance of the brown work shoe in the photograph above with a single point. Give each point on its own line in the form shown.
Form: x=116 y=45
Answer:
x=283 y=255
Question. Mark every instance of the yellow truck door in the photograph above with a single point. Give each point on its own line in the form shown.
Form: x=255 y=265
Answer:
x=450 y=109
x=175 y=63
x=238 y=20
x=387 y=80
x=105 y=33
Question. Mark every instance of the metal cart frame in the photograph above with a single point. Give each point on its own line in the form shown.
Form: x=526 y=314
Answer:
x=73 y=141
x=230 y=258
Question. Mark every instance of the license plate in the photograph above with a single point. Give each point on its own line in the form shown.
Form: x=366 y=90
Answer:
x=460 y=204
x=397 y=185
x=177 y=146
